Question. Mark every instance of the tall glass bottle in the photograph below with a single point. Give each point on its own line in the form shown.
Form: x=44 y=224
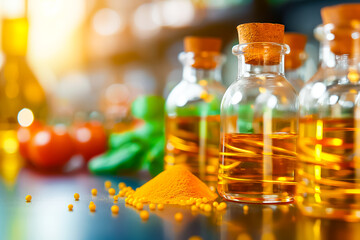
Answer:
x=294 y=70
x=193 y=110
x=21 y=96
x=329 y=140
x=259 y=118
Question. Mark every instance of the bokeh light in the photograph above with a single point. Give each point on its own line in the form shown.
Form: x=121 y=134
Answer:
x=25 y=117
x=107 y=22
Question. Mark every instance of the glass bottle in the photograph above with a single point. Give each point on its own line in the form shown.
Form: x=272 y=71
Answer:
x=294 y=61
x=22 y=99
x=328 y=145
x=193 y=110
x=259 y=118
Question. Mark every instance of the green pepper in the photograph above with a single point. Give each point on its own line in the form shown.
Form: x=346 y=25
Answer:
x=154 y=159
x=123 y=159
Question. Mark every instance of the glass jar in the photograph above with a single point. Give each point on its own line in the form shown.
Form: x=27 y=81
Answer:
x=328 y=145
x=193 y=112
x=294 y=62
x=259 y=118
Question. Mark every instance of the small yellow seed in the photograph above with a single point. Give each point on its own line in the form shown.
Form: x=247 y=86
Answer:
x=112 y=191
x=215 y=204
x=134 y=203
x=207 y=208
x=198 y=205
x=194 y=208
x=70 y=207
x=76 y=196
x=91 y=202
x=152 y=206
x=198 y=201
x=116 y=197
x=94 y=192
x=130 y=201
x=202 y=206
x=92 y=207
x=178 y=217
x=144 y=215
x=160 y=206
x=139 y=206
x=204 y=200
x=122 y=185
x=107 y=184
x=28 y=198
x=115 y=209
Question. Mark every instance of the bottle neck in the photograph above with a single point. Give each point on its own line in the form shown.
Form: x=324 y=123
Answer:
x=14 y=36
x=201 y=67
x=195 y=75
x=246 y=69
x=260 y=58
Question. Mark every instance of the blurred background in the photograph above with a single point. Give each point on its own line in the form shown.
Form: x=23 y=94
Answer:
x=97 y=55
x=69 y=61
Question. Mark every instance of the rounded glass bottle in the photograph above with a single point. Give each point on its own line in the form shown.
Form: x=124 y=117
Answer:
x=328 y=146
x=259 y=114
x=193 y=113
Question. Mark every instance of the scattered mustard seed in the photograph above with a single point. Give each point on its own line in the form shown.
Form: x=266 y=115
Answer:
x=92 y=207
x=28 y=198
x=76 y=196
x=139 y=206
x=70 y=207
x=152 y=206
x=160 y=206
x=107 y=184
x=115 y=209
x=144 y=215
x=112 y=191
x=94 y=192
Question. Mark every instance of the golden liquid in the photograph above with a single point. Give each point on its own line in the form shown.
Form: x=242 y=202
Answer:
x=19 y=89
x=329 y=168
x=194 y=143
x=257 y=167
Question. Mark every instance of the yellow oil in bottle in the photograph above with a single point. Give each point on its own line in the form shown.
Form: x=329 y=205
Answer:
x=329 y=168
x=258 y=167
x=193 y=142
x=22 y=98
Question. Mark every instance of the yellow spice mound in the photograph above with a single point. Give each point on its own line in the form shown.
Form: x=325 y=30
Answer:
x=173 y=185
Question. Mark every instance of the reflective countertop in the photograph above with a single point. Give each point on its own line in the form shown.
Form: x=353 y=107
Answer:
x=47 y=216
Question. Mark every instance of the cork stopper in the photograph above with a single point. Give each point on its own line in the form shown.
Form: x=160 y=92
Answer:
x=256 y=54
x=296 y=42
x=345 y=18
x=202 y=44
x=343 y=15
x=205 y=50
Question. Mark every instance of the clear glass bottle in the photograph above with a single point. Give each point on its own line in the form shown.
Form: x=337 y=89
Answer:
x=328 y=145
x=294 y=61
x=259 y=118
x=22 y=99
x=193 y=110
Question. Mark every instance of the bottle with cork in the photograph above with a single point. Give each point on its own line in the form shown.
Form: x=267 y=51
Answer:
x=328 y=172
x=193 y=110
x=259 y=120
x=294 y=61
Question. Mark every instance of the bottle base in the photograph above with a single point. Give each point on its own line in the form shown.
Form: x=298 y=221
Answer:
x=258 y=198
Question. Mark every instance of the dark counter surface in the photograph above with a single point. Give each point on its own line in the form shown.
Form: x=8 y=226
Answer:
x=47 y=215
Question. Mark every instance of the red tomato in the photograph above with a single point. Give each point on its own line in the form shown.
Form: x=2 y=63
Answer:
x=51 y=147
x=90 y=139
x=24 y=136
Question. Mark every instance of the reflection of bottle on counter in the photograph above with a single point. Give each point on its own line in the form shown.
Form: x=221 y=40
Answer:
x=22 y=99
x=193 y=108
x=294 y=61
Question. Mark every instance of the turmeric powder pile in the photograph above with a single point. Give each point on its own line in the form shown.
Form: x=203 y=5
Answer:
x=174 y=186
